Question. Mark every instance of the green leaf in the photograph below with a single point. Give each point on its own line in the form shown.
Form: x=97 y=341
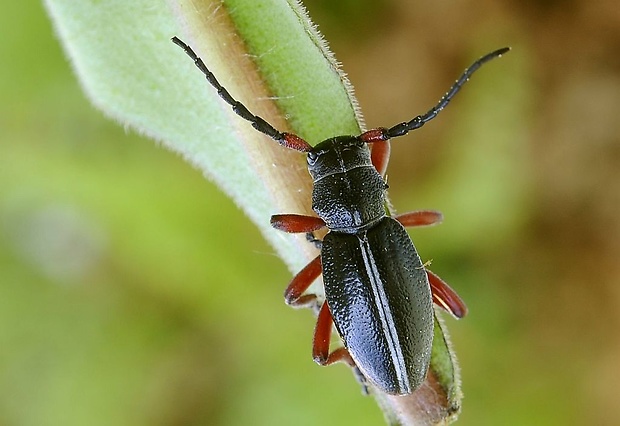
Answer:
x=269 y=56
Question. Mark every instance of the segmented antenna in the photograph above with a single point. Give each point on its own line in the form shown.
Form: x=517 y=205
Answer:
x=417 y=122
x=285 y=139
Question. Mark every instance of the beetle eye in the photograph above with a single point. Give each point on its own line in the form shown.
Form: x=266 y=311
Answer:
x=312 y=156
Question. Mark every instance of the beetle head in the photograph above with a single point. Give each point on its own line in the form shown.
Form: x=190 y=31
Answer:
x=337 y=155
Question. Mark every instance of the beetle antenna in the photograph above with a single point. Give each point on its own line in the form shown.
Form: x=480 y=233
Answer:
x=404 y=128
x=285 y=139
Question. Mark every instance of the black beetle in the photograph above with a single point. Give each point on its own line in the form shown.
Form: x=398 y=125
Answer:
x=378 y=292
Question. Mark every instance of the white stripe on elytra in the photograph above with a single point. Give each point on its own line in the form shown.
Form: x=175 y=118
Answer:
x=385 y=316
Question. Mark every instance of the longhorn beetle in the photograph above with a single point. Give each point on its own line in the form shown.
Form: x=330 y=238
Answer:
x=378 y=293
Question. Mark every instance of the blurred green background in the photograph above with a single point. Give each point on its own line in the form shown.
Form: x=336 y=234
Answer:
x=132 y=292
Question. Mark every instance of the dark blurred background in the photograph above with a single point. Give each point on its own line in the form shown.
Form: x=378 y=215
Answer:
x=133 y=292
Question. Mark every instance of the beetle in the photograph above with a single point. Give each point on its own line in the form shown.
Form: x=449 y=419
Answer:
x=378 y=293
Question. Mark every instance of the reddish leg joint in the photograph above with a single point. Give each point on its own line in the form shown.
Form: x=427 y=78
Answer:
x=420 y=218
x=296 y=223
x=301 y=282
x=375 y=135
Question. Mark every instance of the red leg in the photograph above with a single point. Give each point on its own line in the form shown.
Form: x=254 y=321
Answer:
x=293 y=295
x=380 y=149
x=380 y=156
x=296 y=223
x=420 y=218
x=322 y=336
x=445 y=297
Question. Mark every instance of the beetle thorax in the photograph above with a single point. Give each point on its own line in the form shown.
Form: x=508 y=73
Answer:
x=348 y=191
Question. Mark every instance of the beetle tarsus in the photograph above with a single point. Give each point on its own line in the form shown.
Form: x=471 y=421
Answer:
x=361 y=379
x=312 y=239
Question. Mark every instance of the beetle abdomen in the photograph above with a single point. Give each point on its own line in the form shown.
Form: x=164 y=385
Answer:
x=380 y=299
